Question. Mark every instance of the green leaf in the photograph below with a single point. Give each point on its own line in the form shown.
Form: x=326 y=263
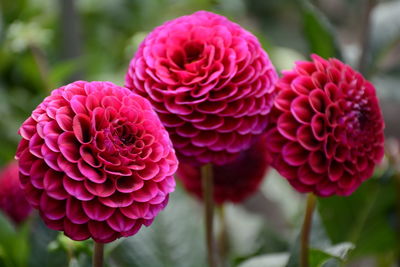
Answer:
x=339 y=252
x=318 y=32
x=318 y=239
x=362 y=218
x=174 y=239
x=40 y=238
x=14 y=245
x=321 y=251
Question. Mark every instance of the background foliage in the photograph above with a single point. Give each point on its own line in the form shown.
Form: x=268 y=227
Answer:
x=47 y=43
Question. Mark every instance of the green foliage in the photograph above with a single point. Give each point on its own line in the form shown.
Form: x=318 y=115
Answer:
x=362 y=218
x=321 y=251
x=14 y=246
x=42 y=254
x=34 y=60
x=174 y=239
x=333 y=255
x=318 y=32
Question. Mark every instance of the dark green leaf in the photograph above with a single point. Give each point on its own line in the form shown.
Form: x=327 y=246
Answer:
x=362 y=218
x=318 y=32
x=319 y=257
x=174 y=239
x=14 y=247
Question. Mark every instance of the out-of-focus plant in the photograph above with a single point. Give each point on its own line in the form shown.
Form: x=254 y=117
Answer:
x=109 y=33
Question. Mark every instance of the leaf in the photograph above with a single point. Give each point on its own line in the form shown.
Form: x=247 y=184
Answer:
x=174 y=239
x=318 y=240
x=339 y=252
x=270 y=260
x=362 y=218
x=41 y=236
x=319 y=32
x=321 y=251
x=14 y=246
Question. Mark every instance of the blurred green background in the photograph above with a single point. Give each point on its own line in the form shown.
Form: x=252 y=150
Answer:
x=47 y=43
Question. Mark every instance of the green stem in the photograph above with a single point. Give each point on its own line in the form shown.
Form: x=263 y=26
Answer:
x=98 y=255
x=306 y=229
x=208 y=197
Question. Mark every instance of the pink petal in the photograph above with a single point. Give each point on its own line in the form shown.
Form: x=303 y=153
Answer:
x=77 y=189
x=82 y=128
x=69 y=146
x=294 y=154
x=128 y=184
x=77 y=232
x=54 y=209
x=117 y=200
x=53 y=184
x=301 y=109
x=287 y=126
x=95 y=210
x=105 y=189
x=136 y=211
x=94 y=175
x=101 y=232
x=119 y=223
x=74 y=212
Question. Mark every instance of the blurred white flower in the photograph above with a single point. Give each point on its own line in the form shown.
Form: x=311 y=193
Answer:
x=21 y=35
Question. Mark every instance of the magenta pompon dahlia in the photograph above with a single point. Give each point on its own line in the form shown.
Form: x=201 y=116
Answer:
x=210 y=82
x=326 y=134
x=96 y=161
x=12 y=199
x=233 y=182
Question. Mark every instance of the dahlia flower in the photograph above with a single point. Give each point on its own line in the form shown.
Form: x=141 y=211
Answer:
x=12 y=199
x=96 y=161
x=234 y=181
x=210 y=82
x=326 y=134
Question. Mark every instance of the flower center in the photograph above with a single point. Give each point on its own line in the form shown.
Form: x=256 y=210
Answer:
x=125 y=135
x=356 y=119
x=193 y=51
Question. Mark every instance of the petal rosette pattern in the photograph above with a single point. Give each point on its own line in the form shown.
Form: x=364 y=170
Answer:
x=210 y=82
x=96 y=161
x=12 y=199
x=326 y=134
x=233 y=182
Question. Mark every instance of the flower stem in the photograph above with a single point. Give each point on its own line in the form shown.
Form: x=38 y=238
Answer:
x=223 y=241
x=207 y=179
x=306 y=229
x=98 y=254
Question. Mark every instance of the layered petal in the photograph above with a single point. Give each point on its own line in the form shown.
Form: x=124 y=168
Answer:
x=209 y=77
x=326 y=128
x=91 y=157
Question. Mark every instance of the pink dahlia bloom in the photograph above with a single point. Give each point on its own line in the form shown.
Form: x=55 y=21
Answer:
x=327 y=134
x=96 y=161
x=233 y=182
x=210 y=82
x=12 y=199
